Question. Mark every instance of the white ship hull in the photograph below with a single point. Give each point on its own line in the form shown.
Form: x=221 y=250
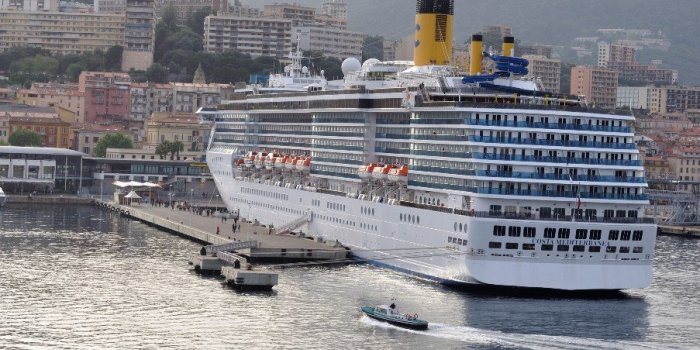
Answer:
x=417 y=241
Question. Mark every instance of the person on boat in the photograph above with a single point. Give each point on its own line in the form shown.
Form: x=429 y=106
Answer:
x=392 y=306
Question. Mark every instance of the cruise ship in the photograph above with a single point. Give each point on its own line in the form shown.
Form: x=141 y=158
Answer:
x=476 y=178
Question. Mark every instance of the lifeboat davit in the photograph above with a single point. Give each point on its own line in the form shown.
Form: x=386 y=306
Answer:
x=304 y=164
x=249 y=159
x=270 y=161
x=399 y=174
x=290 y=164
x=365 y=171
x=259 y=161
x=382 y=173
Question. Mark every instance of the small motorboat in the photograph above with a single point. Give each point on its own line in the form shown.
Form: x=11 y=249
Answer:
x=392 y=315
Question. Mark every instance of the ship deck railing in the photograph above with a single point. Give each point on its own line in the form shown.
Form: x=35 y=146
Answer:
x=530 y=217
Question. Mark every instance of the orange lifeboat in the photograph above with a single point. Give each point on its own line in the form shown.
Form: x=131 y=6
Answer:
x=270 y=160
x=280 y=162
x=382 y=173
x=365 y=171
x=304 y=164
x=290 y=164
x=399 y=174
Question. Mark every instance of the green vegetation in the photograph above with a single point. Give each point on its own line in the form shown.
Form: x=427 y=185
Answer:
x=172 y=148
x=25 y=138
x=373 y=47
x=116 y=140
x=24 y=65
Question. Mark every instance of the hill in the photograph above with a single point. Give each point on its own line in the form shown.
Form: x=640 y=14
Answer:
x=554 y=22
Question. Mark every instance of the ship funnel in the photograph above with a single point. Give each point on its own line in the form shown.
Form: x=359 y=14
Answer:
x=476 y=54
x=433 y=44
x=508 y=46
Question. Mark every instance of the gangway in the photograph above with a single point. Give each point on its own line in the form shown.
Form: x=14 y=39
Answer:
x=228 y=247
x=684 y=207
x=289 y=227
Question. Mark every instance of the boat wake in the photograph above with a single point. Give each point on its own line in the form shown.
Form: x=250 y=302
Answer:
x=475 y=336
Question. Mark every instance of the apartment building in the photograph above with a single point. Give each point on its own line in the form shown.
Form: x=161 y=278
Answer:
x=297 y=14
x=29 y=5
x=598 y=86
x=59 y=32
x=670 y=99
x=107 y=96
x=254 y=36
x=332 y=42
x=42 y=120
x=139 y=34
x=183 y=127
x=545 y=70
x=66 y=96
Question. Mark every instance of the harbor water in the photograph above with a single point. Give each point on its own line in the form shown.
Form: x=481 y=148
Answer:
x=75 y=277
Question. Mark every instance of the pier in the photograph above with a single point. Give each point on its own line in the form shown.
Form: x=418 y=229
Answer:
x=230 y=252
x=680 y=231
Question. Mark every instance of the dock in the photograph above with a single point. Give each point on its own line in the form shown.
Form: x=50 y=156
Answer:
x=680 y=231
x=231 y=253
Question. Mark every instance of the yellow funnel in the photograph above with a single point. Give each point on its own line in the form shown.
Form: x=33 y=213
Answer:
x=476 y=54
x=433 y=44
x=508 y=46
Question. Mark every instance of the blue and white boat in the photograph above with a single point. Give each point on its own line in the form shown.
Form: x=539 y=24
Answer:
x=391 y=314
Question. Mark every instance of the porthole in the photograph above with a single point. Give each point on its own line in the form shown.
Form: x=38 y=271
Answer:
x=455 y=227
x=401 y=217
x=418 y=220
x=460 y=226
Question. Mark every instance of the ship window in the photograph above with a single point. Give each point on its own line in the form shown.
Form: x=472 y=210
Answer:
x=528 y=246
x=418 y=221
x=401 y=217
x=562 y=248
x=511 y=246
x=564 y=233
x=624 y=249
x=550 y=232
x=595 y=249
x=499 y=231
x=621 y=213
x=579 y=248
x=495 y=245
x=514 y=231
x=596 y=234
x=632 y=213
x=464 y=242
x=559 y=212
x=459 y=241
x=625 y=235
x=529 y=232
x=637 y=235
x=591 y=213
x=460 y=226
x=581 y=234
x=547 y=247
x=610 y=249
x=638 y=250
x=613 y=235
x=455 y=226
x=545 y=212
x=495 y=210
x=608 y=214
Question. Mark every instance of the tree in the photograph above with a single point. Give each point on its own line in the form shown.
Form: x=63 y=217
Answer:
x=73 y=71
x=112 y=140
x=24 y=138
x=373 y=47
x=175 y=149
x=156 y=73
x=113 y=58
x=163 y=149
x=195 y=21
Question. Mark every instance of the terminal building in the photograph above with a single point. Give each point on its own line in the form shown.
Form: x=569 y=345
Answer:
x=40 y=169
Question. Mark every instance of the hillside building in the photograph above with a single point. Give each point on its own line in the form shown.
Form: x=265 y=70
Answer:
x=598 y=86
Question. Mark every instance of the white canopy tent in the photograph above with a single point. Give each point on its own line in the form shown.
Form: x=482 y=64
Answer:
x=122 y=184
x=132 y=196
